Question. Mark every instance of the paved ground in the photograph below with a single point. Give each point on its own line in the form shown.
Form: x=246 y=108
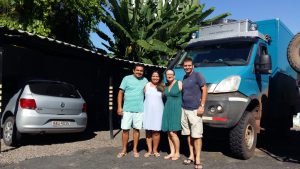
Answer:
x=272 y=153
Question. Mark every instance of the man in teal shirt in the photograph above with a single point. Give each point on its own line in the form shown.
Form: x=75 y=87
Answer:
x=132 y=90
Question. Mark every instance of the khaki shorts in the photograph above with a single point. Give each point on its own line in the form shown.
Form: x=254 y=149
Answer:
x=191 y=123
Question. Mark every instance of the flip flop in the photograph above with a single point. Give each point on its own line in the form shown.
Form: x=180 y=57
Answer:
x=136 y=155
x=120 y=155
x=175 y=158
x=168 y=157
x=198 y=166
x=147 y=154
x=188 y=161
x=156 y=154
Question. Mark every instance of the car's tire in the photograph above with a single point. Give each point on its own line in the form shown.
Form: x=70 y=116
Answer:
x=11 y=136
x=293 y=54
x=243 y=137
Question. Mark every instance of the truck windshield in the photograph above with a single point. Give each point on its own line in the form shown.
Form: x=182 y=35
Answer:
x=225 y=54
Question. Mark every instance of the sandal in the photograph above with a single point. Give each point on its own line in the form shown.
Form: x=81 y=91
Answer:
x=188 y=161
x=175 y=158
x=120 y=155
x=168 y=157
x=147 y=154
x=156 y=154
x=198 y=166
x=136 y=155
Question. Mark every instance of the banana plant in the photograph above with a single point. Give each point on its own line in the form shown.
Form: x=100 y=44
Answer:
x=144 y=30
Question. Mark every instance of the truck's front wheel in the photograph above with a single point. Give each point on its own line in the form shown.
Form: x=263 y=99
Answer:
x=242 y=138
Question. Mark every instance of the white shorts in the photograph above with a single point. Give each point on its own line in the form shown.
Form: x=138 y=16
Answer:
x=132 y=120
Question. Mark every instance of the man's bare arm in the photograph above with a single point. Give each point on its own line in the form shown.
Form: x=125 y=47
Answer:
x=120 y=101
x=203 y=95
x=203 y=100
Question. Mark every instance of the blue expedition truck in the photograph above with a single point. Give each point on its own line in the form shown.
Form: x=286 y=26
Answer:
x=251 y=85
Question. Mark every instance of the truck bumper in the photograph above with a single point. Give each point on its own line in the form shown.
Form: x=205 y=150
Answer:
x=224 y=110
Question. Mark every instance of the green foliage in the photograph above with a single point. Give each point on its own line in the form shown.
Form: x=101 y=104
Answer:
x=66 y=20
x=145 y=30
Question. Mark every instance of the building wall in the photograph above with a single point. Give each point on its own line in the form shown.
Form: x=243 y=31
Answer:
x=90 y=74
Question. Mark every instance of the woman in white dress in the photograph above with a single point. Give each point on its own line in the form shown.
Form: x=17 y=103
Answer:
x=153 y=111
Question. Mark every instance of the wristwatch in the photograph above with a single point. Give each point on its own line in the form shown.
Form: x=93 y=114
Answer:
x=202 y=105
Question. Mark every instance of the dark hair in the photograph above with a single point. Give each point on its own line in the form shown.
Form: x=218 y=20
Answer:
x=138 y=65
x=188 y=59
x=160 y=86
x=170 y=70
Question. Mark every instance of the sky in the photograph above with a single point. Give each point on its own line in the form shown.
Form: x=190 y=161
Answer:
x=255 y=10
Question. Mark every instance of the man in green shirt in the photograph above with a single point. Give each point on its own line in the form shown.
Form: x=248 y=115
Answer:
x=132 y=90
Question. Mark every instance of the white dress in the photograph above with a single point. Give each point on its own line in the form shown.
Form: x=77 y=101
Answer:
x=153 y=109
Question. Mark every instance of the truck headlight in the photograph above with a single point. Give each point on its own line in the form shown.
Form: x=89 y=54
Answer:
x=230 y=84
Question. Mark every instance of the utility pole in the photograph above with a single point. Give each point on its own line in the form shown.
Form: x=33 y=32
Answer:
x=1 y=59
x=110 y=106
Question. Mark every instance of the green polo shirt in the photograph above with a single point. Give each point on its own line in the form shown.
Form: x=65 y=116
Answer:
x=133 y=93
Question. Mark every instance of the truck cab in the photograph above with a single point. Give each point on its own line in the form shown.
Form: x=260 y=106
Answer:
x=248 y=77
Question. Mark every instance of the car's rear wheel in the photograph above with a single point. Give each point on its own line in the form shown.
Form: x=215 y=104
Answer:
x=11 y=136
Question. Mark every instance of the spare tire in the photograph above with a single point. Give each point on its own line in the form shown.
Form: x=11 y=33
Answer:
x=294 y=53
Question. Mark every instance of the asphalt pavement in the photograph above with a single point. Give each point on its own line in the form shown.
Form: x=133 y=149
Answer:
x=272 y=153
x=105 y=158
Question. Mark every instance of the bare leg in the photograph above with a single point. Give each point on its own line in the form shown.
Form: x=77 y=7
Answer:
x=190 y=141
x=176 y=143
x=198 y=147
x=172 y=148
x=149 y=142
x=136 y=137
x=125 y=137
x=156 y=139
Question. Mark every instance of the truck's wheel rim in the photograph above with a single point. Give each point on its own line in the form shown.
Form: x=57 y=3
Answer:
x=8 y=130
x=249 y=136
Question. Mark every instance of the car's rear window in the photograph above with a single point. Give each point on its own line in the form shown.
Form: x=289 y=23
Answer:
x=54 y=89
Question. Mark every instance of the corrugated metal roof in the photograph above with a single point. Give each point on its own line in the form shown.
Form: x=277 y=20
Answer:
x=25 y=33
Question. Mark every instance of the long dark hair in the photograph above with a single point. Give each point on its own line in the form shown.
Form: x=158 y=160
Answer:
x=160 y=86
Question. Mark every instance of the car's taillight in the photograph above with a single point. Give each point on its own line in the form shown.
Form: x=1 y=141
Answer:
x=27 y=103
x=84 y=107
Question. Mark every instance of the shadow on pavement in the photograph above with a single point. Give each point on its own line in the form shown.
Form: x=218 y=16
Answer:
x=282 y=148
x=211 y=143
x=47 y=139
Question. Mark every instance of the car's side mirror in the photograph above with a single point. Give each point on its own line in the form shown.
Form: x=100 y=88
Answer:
x=263 y=64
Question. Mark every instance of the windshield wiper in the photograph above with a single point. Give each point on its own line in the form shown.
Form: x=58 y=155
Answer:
x=218 y=62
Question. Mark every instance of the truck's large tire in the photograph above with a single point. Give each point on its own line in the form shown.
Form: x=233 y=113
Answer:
x=243 y=137
x=293 y=54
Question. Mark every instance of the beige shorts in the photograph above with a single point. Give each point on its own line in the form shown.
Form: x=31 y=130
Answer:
x=191 y=123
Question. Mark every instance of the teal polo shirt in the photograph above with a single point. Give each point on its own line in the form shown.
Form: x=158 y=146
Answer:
x=133 y=93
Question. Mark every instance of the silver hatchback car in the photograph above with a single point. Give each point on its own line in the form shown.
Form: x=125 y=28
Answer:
x=43 y=107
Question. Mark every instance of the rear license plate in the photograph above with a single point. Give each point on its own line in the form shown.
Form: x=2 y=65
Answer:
x=61 y=123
